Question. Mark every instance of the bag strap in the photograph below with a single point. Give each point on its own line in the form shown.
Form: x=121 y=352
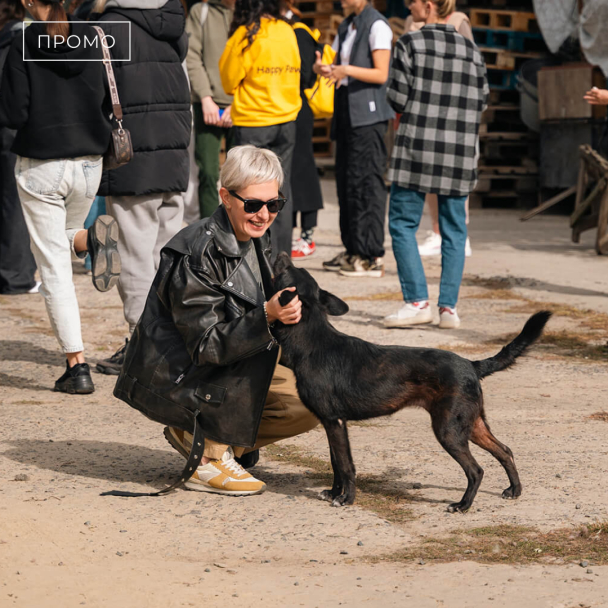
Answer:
x=107 y=62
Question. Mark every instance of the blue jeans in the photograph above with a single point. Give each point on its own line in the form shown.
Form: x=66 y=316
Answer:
x=404 y=216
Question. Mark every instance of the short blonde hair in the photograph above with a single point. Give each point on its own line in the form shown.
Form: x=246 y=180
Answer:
x=248 y=165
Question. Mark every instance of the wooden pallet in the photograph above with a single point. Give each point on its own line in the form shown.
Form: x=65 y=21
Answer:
x=502 y=79
x=508 y=152
x=504 y=96
x=315 y=6
x=508 y=40
x=498 y=184
x=526 y=166
x=322 y=149
x=500 y=59
x=321 y=128
x=504 y=20
x=502 y=119
x=322 y=21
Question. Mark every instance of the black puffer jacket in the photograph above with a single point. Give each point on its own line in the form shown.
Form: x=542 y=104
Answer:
x=154 y=95
x=202 y=343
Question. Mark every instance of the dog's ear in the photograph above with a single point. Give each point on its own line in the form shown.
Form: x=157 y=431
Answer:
x=287 y=296
x=282 y=263
x=332 y=304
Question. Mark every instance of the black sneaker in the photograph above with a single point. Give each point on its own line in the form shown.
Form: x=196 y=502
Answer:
x=113 y=365
x=76 y=380
x=336 y=263
x=102 y=245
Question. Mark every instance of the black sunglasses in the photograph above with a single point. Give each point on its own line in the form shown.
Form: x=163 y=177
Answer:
x=253 y=205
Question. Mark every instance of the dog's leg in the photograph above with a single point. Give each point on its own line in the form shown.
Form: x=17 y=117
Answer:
x=336 y=489
x=483 y=437
x=454 y=437
x=342 y=461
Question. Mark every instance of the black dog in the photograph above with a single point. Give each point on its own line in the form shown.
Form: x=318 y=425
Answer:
x=341 y=378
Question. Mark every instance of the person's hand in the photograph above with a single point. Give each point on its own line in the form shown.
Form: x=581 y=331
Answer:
x=211 y=111
x=597 y=97
x=226 y=119
x=338 y=72
x=289 y=314
x=319 y=67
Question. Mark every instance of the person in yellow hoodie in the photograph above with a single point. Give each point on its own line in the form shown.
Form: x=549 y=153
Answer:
x=260 y=68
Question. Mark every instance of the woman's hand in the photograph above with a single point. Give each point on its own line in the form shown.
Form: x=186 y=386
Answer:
x=597 y=97
x=319 y=67
x=338 y=72
x=211 y=111
x=226 y=120
x=290 y=314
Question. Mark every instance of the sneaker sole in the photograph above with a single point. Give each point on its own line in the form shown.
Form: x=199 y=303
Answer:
x=332 y=268
x=449 y=325
x=408 y=323
x=108 y=371
x=198 y=487
x=106 y=264
x=174 y=442
x=374 y=274
x=84 y=389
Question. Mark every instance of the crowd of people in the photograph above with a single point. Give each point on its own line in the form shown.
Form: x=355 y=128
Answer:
x=198 y=301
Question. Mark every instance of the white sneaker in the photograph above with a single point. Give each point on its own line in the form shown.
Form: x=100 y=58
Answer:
x=432 y=245
x=225 y=476
x=448 y=318
x=35 y=288
x=412 y=313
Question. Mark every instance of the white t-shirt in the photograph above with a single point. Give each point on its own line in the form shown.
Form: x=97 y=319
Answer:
x=380 y=39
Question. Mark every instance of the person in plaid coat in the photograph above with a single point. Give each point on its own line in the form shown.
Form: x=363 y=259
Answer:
x=438 y=84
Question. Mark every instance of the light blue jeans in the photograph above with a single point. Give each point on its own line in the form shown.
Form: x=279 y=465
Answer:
x=404 y=216
x=56 y=196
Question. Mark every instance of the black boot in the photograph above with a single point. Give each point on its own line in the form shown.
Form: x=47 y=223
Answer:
x=76 y=380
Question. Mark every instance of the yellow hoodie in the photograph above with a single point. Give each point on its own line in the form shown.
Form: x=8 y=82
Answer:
x=264 y=79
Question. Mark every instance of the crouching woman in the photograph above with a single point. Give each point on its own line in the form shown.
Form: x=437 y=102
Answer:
x=202 y=357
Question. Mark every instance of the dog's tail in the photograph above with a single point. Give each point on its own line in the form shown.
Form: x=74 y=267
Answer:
x=506 y=357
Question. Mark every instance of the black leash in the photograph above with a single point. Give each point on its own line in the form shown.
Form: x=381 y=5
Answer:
x=194 y=459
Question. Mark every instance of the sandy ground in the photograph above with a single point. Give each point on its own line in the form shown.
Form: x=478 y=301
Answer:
x=62 y=544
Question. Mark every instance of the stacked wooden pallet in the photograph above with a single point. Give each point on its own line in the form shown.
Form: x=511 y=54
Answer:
x=326 y=16
x=508 y=167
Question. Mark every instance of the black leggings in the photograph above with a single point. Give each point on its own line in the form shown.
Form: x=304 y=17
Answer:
x=308 y=219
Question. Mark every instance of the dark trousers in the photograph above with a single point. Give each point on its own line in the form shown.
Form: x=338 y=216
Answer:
x=281 y=140
x=208 y=141
x=308 y=219
x=17 y=266
x=360 y=166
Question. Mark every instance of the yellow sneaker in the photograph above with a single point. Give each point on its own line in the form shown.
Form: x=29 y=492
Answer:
x=225 y=476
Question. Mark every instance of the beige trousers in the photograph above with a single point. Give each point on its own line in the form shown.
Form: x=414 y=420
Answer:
x=284 y=416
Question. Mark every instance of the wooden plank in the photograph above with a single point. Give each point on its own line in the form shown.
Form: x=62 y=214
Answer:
x=517 y=21
x=561 y=90
x=578 y=212
x=601 y=243
x=548 y=204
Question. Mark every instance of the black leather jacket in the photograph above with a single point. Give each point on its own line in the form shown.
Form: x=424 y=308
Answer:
x=202 y=346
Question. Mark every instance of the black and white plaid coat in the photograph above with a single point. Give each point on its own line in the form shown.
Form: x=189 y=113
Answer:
x=438 y=84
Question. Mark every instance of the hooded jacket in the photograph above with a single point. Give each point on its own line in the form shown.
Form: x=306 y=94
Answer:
x=56 y=97
x=202 y=349
x=206 y=45
x=154 y=95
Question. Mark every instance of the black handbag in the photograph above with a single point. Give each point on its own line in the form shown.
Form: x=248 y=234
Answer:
x=120 y=150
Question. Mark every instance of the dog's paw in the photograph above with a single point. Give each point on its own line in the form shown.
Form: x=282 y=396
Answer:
x=511 y=493
x=339 y=501
x=457 y=507
x=326 y=495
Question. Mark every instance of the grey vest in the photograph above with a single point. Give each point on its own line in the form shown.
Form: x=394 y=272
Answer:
x=367 y=102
